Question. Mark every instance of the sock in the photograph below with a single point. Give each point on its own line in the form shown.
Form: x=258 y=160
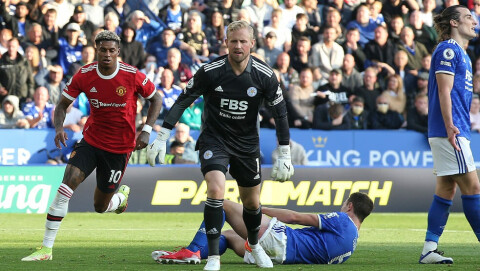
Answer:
x=429 y=246
x=57 y=211
x=437 y=218
x=471 y=208
x=116 y=200
x=214 y=219
x=252 y=220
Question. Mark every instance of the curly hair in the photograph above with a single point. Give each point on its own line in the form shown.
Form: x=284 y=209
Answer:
x=106 y=35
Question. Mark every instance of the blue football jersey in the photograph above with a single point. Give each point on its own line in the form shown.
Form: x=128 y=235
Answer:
x=450 y=58
x=332 y=242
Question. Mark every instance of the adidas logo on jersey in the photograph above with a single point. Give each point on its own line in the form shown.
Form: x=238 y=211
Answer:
x=212 y=231
x=93 y=89
x=219 y=89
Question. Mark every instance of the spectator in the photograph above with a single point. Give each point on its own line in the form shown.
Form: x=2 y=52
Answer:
x=63 y=8
x=476 y=84
x=10 y=115
x=357 y=116
x=302 y=29
x=194 y=36
x=284 y=35
x=401 y=68
x=300 y=55
x=74 y=119
x=215 y=33
x=383 y=117
x=151 y=70
x=396 y=93
x=181 y=72
x=192 y=116
x=327 y=54
x=426 y=62
x=111 y=23
x=120 y=8
x=15 y=74
x=334 y=19
x=288 y=75
x=138 y=157
x=333 y=91
x=475 y=114
x=302 y=97
x=352 y=47
x=363 y=24
x=313 y=12
x=417 y=117
x=94 y=12
x=427 y=13
x=290 y=9
x=88 y=56
x=22 y=20
x=182 y=136
x=344 y=9
x=375 y=14
x=52 y=78
x=5 y=36
x=415 y=50
x=7 y=18
x=173 y=15
x=381 y=49
x=160 y=48
x=352 y=79
x=330 y=117
x=39 y=112
x=396 y=26
x=131 y=51
x=80 y=17
x=145 y=28
x=71 y=47
x=32 y=55
x=228 y=8
x=369 y=91
x=34 y=37
x=176 y=154
x=269 y=52
x=243 y=15
x=299 y=155
x=50 y=29
x=392 y=8
x=169 y=93
x=423 y=34
x=260 y=14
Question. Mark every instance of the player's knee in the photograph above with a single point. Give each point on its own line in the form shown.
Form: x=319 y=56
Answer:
x=100 y=208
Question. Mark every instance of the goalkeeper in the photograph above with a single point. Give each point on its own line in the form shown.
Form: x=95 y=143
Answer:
x=234 y=86
x=328 y=239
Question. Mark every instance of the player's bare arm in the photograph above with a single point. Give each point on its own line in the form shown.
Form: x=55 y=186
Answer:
x=59 y=117
x=445 y=85
x=291 y=217
x=153 y=111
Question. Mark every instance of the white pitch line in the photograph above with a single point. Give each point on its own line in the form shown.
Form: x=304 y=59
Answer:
x=421 y=230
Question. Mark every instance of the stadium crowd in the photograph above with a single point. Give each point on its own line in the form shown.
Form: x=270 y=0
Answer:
x=342 y=65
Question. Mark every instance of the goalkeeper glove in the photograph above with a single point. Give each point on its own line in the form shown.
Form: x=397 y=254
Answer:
x=283 y=169
x=158 y=147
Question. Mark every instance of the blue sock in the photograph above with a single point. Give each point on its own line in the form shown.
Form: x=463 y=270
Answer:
x=471 y=208
x=200 y=241
x=437 y=218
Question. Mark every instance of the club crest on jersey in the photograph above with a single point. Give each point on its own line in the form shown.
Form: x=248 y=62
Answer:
x=208 y=154
x=121 y=90
x=448 y=53
x=190 y=83
x=251 y=91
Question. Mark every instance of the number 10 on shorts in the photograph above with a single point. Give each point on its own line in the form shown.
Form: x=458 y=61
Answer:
x=115 y=176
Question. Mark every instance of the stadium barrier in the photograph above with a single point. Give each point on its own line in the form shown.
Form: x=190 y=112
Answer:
x=30 y=189
x=391 y=149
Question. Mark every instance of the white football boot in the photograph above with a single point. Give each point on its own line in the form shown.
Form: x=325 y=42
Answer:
x=434 y=257
x=213 y=263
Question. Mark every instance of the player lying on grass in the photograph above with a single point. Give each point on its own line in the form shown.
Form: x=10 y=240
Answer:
x=327 y=239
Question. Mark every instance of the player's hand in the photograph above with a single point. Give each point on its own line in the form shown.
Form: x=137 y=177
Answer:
x=452 y=132
x=158 y=147
x=61 y=137
x=142 y=140
x=283 y=169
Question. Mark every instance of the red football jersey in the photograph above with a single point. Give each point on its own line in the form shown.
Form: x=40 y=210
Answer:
x=113 y=104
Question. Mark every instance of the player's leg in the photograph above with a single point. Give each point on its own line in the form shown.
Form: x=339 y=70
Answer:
x=248 y=175
x=81 y=163
x=110 y=170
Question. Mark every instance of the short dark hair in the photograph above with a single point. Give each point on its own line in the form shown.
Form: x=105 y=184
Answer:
x=358 y=99
x=362 y=205
x=106 y=35
x=442 y=21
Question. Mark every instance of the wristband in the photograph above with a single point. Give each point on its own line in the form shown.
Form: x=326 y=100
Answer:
x=147 y=128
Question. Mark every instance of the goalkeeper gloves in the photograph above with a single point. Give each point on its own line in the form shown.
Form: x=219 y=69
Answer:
x=283 y=169
x=158 y=147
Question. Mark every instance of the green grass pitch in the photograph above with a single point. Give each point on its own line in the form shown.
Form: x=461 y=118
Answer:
x=89 y=241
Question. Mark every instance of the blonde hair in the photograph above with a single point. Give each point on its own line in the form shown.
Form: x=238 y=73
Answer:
x=237 y=25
